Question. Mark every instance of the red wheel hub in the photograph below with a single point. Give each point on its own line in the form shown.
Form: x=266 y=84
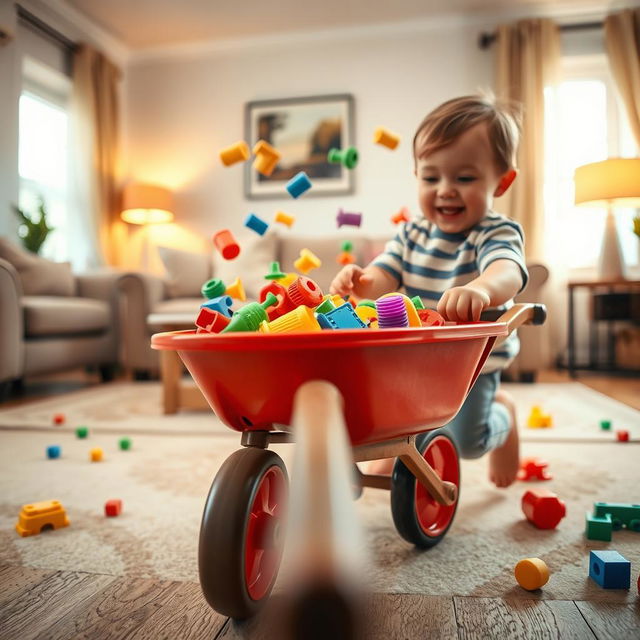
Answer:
x=433 y=517
x=263 y=544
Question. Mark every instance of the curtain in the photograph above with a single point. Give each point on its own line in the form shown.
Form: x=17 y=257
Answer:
x=94 y=137
x=528 y=60
x=622 y=40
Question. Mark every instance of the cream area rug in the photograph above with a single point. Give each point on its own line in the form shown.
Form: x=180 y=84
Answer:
x=164 y=479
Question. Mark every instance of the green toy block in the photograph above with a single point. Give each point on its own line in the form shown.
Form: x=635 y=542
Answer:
x=347 y=245
x=325 y=306
x=348 y=157
x=417 y=302
x=82 y=432
x=367 y=303
x=124 y=444
x=213 y=288
x=605 y=425
x=249 y=317
x=598 y=528
x=274 y=272
x=622 y=514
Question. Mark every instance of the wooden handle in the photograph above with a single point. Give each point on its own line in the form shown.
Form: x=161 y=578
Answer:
x=523 y=313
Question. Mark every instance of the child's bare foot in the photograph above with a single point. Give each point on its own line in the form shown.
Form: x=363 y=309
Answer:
x=505 y=460
x=382 y=467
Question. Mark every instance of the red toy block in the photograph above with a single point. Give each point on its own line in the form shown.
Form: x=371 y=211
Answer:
x=534 y=469
x=430 y=318
x=211 y=321
x=59 y=418
x=304 y=291
x=543 y=508
x=112 y=508
x=226 y=244
x=284 y=304
x=622 y=435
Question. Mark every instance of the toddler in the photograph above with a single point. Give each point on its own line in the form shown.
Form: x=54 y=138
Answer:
x=460 y=257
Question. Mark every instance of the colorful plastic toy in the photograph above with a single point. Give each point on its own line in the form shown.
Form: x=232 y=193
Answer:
x=430 y=318
x=124 y=444
x=221 y=304
x=284 y=304
x=345 y=258
x=401 y=216
x=610 y=569
x=238 y=152
x=539 y=420
x=534 y=469
x=366 y=313
x=53 y=451
x=298 y=184
x=266 y=158
x=605 y=425
x=211 y=321
x=348 y=157
x=622 y=435
x=344 y=218
x=598 y=528
x=113 y=508
x=301 y=318
x=543 y=508
x=213 y=288
x=386 y=138
x=307 y=261
x=96 y=454
x=82 y=432
x=417 y=303
x=253 y=222
x=236 y=290
x=343 y=317
x=622 y=514
x=284 y=218
x=37 y=516
x=305 y=291
x=412 y=313
x=275 y=273
x=226 y=244
x=392 y=312
x=250 y=316
x=288 y=279
x=531 y=573
x=326 y=305
x=59 y=418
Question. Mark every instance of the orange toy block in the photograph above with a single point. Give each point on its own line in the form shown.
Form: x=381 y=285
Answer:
x=532 y=573
x=35 y=517
x=386 y=138
x=401 y=216
x=96 y=455
x=345 y=258
x=307 y=261
x=285 y=218
x=238 y=152
x=266 y=158
x=58 y=419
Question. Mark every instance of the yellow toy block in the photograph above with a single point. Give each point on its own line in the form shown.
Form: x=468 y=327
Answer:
x=266 y=158
x=287 y=280
x=236 y=290
x=532 y=573
x=386 y=138
x=412 y=314
x=95 y=455
x=301 y=318
x=366 y=314
x=285 y=218
x=539 y=420
x=337 y=300
x=238 y=152
x=307 y=261
x=34 y=517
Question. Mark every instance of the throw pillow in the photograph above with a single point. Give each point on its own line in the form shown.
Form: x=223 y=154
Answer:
x=39 y=277
x=186 y=271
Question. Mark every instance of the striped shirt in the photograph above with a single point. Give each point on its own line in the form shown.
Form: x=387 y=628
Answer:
x=427 y=262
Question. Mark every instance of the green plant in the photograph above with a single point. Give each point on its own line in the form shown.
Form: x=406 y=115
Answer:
x=33 y=228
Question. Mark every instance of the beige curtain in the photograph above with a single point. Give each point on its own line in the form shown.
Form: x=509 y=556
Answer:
x=94 y=150
x=622 y=40
x=528 y=60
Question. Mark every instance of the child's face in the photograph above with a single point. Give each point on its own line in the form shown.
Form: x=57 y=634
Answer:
x=457 y=183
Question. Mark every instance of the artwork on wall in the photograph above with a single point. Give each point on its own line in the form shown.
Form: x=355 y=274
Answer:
x=302 y=130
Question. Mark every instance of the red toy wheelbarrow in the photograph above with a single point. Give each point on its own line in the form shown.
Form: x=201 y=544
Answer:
x=344 y=396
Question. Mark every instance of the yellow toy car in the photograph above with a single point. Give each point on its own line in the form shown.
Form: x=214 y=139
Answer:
x=37 y=516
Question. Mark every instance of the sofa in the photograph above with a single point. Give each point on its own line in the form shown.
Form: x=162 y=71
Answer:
x=52 y=319
x=143 y=298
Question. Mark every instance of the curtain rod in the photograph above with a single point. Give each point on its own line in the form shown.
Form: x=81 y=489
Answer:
x=485 y=40
x=28 y=19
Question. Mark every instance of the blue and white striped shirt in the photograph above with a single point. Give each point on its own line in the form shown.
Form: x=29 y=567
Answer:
x=427 y=262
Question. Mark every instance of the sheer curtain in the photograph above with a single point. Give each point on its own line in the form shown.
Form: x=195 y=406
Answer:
x=94 y=131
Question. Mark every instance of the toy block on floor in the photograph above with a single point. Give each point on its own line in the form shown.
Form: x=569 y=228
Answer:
x=532 y=573
x=622 y=515
x=610 y=569
x=53 y=451
x=534 y=469
x=598 y=528
x=538 y=419
x=96 y=454
x=112 y=508
x=543 y=508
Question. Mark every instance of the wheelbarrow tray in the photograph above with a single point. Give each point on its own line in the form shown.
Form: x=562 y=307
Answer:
x=395 y=382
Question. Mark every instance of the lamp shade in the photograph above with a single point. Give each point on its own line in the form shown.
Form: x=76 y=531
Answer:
x=146 y=204
x=612 y=182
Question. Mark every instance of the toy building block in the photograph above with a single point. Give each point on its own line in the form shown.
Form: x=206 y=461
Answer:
x=539 y=420
x=412 y=312
x=534 y=469
x=113 y=508
x=53 y=451
x=221 y=304
x=124 y=444
x=385 y=138
x=250 y=316
x=82 y=432
x=543 y=508
x=298 y=184
x=302 y=318
x=266 y=158
x=96 y=454
x=598 y=528
x=236 y=290
x=253 y=222
x=282 y=306
x=366 y=314
x=307 y=261
x=238 y=152
x=59 y=418
x=401 y=216
x=342 y=317
x=305 y=291
x=345 y=258
x=326 y=305
x=344 y=218
x=274 y=272
x=417 y=303
x=35 y=517
x=392 y=312
x=622 y=514
x=532 y=573
x=622 y=435
x=213 y=288
x=285 y=218
x=226 y=244
x=211 y=321
x=430 y=318
x=348 y=157
x=605 y=425
x=610 y=569
x=288 y=279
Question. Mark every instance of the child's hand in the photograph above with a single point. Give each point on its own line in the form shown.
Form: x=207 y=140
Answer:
x=462 y=304
x=351 y=280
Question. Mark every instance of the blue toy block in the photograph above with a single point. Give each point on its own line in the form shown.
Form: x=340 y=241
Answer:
x=343 y=317
x=598 y=528
x=256 y=224
x=53 y=451
x=298 y=184
x=610 y=569
x=222 y=304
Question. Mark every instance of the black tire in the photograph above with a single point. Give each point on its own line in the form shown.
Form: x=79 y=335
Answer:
x=227 y=538
x=418 y=518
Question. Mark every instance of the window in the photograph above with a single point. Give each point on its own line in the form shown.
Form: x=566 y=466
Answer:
x=584 y=122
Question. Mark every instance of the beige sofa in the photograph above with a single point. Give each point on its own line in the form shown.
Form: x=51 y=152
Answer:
x=145 y=297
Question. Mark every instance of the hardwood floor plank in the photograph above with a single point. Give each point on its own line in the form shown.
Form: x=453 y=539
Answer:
x=517 y=619
x=15 y=579
x=611 y=621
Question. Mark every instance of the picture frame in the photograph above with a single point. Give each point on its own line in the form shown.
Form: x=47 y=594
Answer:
x=302 y=130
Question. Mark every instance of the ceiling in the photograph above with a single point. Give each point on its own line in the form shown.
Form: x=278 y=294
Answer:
x=141 y=24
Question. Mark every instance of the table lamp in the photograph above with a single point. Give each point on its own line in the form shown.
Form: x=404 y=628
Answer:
x=146 y=204
x=611 y=183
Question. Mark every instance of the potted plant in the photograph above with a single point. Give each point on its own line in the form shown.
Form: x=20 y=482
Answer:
x=33 y=229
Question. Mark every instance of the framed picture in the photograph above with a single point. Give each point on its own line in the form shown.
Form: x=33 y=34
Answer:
x=302 y=130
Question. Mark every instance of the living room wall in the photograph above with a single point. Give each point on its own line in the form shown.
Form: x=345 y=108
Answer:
x=182 y=108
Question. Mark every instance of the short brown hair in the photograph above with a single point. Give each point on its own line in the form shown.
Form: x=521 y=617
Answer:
x=452 y=118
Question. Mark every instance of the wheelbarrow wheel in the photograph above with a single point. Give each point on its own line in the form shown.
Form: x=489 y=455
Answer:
x=418 y=518
x=241 y=534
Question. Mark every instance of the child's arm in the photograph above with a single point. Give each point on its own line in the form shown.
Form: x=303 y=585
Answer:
x=497 y=284
x=370 y=282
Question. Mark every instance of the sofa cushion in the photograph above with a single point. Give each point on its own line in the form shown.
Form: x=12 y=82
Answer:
x=186 y=271
x=38 y=275
x=55 y=315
